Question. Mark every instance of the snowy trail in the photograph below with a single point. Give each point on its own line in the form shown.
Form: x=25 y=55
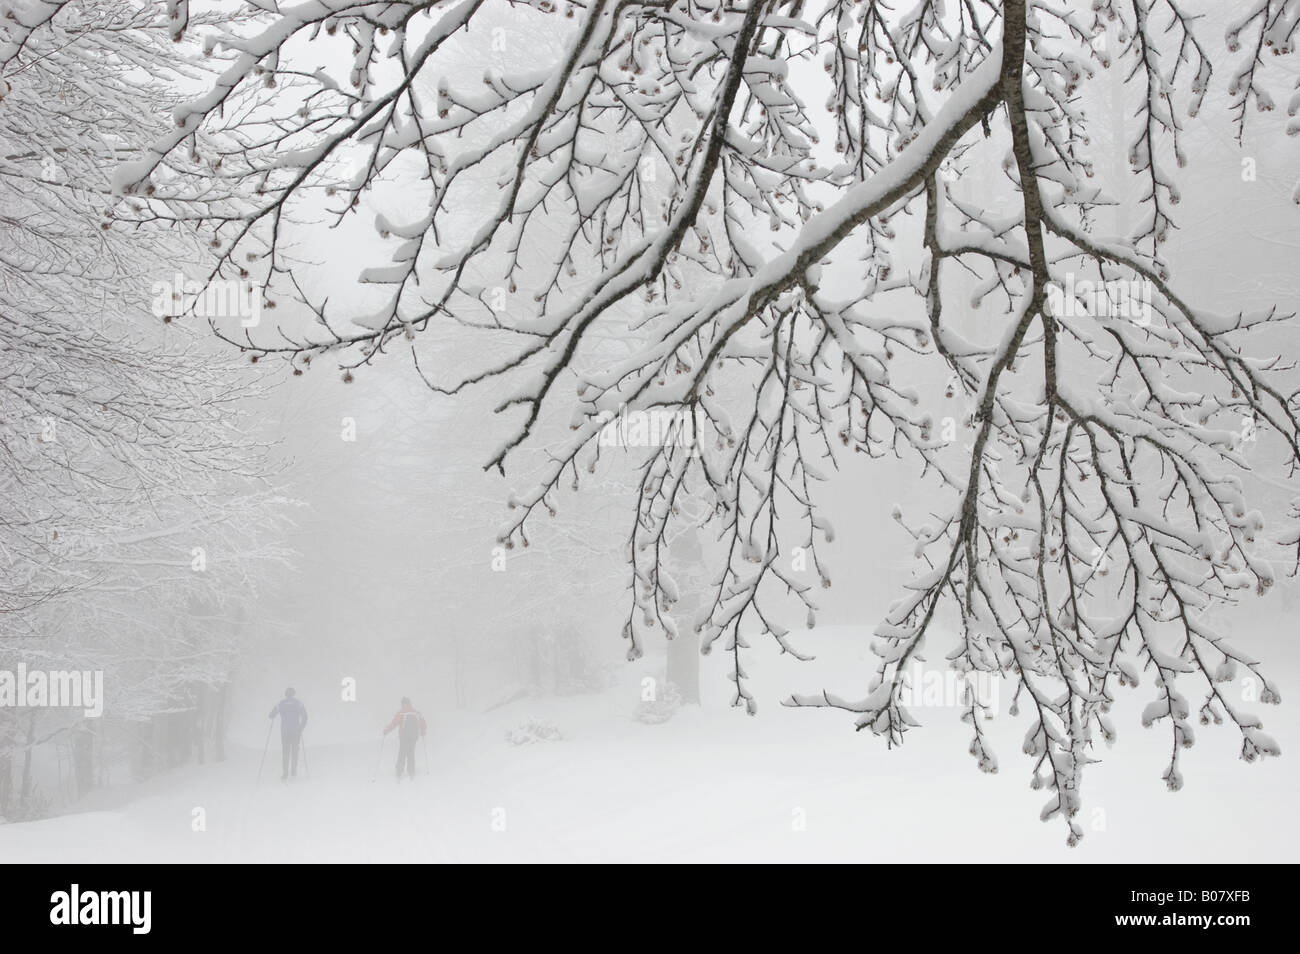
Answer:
x=711 y=784
x=662 y=796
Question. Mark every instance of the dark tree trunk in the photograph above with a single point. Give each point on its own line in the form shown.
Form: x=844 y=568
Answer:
x=8 y=740
x=6 y=780
x=25 y=792
x=83 y=756
x=202 y=722
x=219 y=715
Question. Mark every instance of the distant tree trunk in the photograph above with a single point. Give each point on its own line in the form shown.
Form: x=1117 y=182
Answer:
x=6 y=780
x=219 y=716
x=7 y=740
x=182 y=736
x=202 y=721
x=25 y=792
x=83 y=756
x=683 y=664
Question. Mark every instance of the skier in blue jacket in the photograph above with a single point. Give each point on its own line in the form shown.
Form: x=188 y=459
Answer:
x=293 y=719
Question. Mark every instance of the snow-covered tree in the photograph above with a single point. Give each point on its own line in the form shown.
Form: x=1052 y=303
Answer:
x=766 y=201
x=133 y=487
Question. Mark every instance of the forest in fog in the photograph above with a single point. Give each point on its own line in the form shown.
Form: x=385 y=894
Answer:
x=669 y=430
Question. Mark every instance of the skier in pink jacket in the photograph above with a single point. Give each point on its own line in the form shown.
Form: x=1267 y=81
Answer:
x=410 y=725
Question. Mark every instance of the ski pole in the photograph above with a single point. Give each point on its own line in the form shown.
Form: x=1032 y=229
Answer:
x=264 y=748
x=380 y=757
x=306 y=769
x=424 y=743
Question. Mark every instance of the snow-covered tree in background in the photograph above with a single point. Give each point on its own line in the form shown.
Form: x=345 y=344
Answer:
x=133 y=492
x=761 y=198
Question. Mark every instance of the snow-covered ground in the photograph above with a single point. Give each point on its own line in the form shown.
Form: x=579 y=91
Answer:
x=708 y=785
